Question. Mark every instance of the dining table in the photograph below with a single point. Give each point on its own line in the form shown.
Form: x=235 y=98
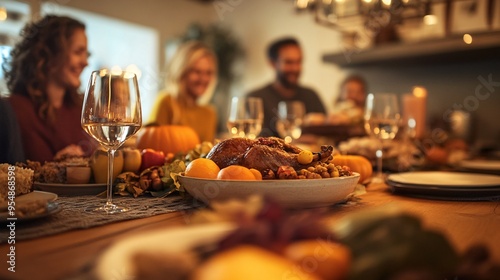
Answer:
x=74 y=254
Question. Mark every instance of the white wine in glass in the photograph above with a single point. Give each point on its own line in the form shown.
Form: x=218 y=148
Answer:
x=111 y=114
x=290 y=117
x=245 y=117
x=382 y=119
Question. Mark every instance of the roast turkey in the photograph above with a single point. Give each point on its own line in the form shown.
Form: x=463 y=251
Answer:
x=264 y=153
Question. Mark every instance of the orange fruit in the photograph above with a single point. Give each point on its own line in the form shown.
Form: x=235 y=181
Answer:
x=326 y=259
x=202 y=168
x=256 y=173
x=247 y=262
x=235 y=172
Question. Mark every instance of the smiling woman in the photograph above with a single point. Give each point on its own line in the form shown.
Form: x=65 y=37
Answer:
x=191 y=81
x=43 y=76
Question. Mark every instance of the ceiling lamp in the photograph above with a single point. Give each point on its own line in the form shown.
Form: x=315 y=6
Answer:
x=373 y=14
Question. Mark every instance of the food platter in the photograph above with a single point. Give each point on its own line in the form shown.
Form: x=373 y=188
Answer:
x=71 y=189
x=117 y=262
x=298 y=193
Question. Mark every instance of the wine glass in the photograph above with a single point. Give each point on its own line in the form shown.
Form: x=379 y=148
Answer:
x=111 y=113
x=381 y=121
x=245 y=117
x=290 y=117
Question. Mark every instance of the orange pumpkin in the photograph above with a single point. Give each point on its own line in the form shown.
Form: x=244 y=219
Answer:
x=167 y=138
x=357 y=164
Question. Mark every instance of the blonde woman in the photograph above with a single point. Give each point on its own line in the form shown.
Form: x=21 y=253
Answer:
x=190 y=84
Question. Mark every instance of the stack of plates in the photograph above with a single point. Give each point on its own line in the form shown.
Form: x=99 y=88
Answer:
x=71 y=189
x=446 y=185
x=481 y=166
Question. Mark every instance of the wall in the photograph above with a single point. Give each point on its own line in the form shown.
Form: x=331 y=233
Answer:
x=170 y=18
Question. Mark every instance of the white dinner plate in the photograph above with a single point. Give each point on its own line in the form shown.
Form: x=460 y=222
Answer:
x=30 y=197
x=446 y=179
x=117 y=261
x=480 y=165
x=51 y=209
x=46 y=198
x=446 y=185
x=298 y=193
x=71 y=189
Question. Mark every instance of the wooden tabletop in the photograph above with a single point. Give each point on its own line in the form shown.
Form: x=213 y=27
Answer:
x=72 y=255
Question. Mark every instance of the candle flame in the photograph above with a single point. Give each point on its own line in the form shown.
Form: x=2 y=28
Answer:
x=419 y=92
x=3 y=14
x=467 y=39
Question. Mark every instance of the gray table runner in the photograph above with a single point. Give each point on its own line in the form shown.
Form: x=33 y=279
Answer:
x=74 y=214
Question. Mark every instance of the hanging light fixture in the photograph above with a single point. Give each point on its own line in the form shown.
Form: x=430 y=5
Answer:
x=371 y=13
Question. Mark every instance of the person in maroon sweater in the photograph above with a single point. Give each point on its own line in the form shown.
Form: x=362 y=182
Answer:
x=43 y=77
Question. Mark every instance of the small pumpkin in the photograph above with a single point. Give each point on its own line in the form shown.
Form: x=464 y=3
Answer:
x=358 y=164
x=167 y=138
x=99 y=165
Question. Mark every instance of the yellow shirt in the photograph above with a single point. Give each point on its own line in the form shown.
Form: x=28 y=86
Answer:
x=203 y=119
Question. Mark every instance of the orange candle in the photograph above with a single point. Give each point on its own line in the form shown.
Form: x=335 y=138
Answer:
x=414 y=111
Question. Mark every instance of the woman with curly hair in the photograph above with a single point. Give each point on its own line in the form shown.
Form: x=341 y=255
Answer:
x=189 y=86
x=43 y=77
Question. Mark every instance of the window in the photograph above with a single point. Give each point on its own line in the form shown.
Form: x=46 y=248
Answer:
x=13 y=16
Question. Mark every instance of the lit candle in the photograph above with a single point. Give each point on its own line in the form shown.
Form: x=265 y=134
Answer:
x=414 y=111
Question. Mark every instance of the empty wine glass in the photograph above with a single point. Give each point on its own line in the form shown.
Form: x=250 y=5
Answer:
x=290 y=118
x=381 y=121
x=111 y=113
x=245 y=117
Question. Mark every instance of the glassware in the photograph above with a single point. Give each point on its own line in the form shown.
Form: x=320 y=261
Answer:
x=245 y=117
x=111 y=114
x=290 y=117
x=382 y=119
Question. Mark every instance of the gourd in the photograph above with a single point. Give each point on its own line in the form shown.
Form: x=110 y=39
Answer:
x=99 y=165
x=167 y=138
x=357 y=164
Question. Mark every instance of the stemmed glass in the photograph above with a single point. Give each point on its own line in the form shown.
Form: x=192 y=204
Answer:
x=245 y=117
x=290 y=117
x=111 y=113
x=382 y=119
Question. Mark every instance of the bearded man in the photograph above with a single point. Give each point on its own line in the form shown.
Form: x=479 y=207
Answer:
x=285 y=56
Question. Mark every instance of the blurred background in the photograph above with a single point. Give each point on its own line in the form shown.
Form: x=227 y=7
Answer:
x=452 y=48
